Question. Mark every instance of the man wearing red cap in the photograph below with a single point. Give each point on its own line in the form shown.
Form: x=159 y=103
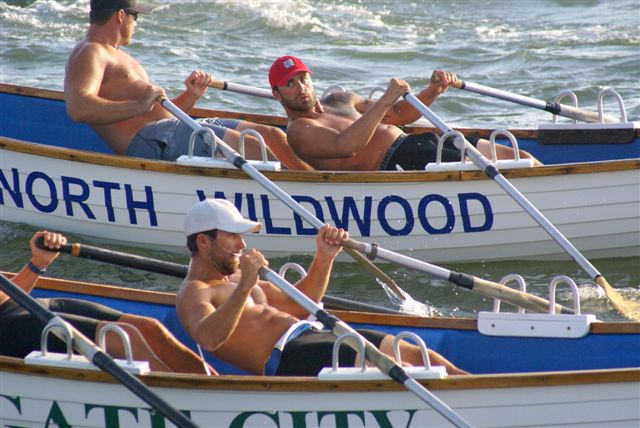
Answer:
x=346 y=132
x=109 y=90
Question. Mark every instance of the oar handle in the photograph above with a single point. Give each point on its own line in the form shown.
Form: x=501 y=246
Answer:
x=551 y=107
x=435 y=78
x=218 y=84
x=240 y=88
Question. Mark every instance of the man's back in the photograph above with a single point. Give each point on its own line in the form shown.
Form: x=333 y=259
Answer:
x=111 y=74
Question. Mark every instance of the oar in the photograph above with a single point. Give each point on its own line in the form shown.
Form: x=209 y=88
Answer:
x=180 y=271
x=372 y=354
x=487 y=288
x=555 y=108
x=96 y=355
x=241 y=89
x=627 y=308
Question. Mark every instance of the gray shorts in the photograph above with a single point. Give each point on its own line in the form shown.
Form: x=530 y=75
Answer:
x=168 y=139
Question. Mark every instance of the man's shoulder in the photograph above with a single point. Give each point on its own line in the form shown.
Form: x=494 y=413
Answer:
x=200 y=284
x=340 y=98
x=91 y=49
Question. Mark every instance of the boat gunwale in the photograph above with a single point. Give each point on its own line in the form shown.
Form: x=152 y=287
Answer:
x=345 y=177
x=312 y=384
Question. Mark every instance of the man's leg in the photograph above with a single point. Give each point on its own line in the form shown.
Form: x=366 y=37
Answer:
x=411 y=354
x=164 y=344
x=276 y=140
x=139 y=347
x=502 y=152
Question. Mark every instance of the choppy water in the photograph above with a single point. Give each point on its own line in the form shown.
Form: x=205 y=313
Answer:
x=532 y=47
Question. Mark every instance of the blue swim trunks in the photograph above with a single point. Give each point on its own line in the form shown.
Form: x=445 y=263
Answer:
x=168 y=139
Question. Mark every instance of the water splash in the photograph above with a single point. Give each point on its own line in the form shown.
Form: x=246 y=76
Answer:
x=407 y=304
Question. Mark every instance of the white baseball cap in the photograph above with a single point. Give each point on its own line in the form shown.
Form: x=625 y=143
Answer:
x=217 y=214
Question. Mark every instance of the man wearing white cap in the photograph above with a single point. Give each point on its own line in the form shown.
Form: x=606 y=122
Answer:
x=250 y=323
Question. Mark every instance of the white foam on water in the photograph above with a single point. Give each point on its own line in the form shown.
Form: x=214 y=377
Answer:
x=407 y=304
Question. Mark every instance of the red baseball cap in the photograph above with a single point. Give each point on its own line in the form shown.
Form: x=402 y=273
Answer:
x=283 y=68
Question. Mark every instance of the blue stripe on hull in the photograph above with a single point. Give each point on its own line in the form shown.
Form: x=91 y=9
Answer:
x=468 y=349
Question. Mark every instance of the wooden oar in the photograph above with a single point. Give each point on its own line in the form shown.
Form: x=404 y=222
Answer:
x=241 y=89
x=487 y=288
x=552 y=107
x=629 y=309
x=372 y=354
x=95 y=354
x=180 y=271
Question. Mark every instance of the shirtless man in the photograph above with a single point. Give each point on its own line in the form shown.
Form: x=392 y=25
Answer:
x=346 y=132
x=250 y=323
x=20 y=331
x=108 y=89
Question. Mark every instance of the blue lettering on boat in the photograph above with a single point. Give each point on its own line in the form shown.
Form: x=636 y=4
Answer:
x=43 y=193
x=395 y=214
x=360 y=214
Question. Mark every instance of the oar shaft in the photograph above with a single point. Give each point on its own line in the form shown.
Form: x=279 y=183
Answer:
x=123 y=259
x=487 y=288
x=180 y=271
x=383 y=362
x=241 y=89
x=552 y=107
x=506 y=185
x=96 y=356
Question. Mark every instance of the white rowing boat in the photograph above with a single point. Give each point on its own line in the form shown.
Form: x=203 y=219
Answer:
x=593 y=381
x=438 y=216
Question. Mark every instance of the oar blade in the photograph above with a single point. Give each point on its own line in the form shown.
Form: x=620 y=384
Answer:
x=629 y=309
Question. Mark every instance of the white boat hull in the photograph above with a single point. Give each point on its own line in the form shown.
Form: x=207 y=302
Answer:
x=436 y=217
x=31 y=398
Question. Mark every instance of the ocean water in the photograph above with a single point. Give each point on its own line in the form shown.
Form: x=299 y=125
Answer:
x=536 y=48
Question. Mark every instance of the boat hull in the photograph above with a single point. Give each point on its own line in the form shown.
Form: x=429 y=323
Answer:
x=434 y=216
x=593 y=381
x=32 y=396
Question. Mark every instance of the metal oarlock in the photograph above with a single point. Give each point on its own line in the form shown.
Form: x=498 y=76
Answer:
x=523 y=324
x=256 y=134
x=124 y=336
x=601 y=94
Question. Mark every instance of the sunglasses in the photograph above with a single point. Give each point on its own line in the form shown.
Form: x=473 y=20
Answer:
x=132 y=13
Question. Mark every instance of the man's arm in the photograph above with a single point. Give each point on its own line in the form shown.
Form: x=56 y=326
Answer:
x=40 y=259
x=310 y=138
x=403 y=113
x=328 y=245
x=83 y=79
x=196 y=85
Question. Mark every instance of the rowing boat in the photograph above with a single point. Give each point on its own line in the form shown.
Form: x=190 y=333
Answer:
x=593 y=380
x=59 y=175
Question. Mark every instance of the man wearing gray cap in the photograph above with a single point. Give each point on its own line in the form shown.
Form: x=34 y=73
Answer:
x=108 y=89
x=250 y=323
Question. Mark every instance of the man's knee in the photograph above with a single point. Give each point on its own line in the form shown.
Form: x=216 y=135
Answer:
x=147 y=326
